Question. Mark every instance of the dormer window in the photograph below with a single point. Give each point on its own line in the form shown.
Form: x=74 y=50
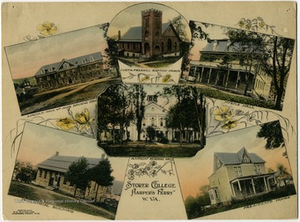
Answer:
x=66 y=65
x=246 y=159
x=92 y=59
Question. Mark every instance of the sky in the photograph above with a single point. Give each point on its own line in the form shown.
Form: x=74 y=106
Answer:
x=25 y=59
x=215 y=32
x=131 y=17
x=194 y=172
x=39 y=143
x=153 y=89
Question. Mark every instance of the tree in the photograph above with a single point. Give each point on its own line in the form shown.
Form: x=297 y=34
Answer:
x=189 y=111
x=150 y=133
x=193 y=209
x=79 y=174
x=277 y=63
x=138 y=96
x=25 y=172
x=112 y=50
x=113 y=109
x=247 y=47
x=272 y=133
x=275 y=52
x=101 y=174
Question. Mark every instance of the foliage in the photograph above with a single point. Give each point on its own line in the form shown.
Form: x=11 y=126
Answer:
x=101 y=174
x=188 y=112
x=273 y=135
x=138 y=96
x=79 y=174
x=113 y=111
x=195 y=206
x=150 y=133
x=25 y=172
x=274 y=52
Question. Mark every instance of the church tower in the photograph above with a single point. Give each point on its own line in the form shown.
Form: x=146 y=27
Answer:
x=151 y=32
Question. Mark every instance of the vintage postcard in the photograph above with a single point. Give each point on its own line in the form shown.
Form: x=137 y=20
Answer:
x=151 y=120
x=150 y=43
x=50 y=72
x=244 y=169
x=157 y=110
x=63 y=171
x=241 y=65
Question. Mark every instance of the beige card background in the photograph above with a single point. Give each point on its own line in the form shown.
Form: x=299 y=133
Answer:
x=21 y=19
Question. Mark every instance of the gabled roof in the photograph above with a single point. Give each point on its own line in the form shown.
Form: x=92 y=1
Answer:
x=237 y=158
x=225 y=46
x=155 y=104
x=61 y=163
x=134 y=34
x=97 y=56
x=164 y=27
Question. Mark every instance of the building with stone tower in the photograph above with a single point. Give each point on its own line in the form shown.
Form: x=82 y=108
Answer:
x=152 y=38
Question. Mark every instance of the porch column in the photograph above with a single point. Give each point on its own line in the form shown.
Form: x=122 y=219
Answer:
x=240 y=189
x=217 y=78
x=201 y=75
x=209 y=75
x=237 y=79
x=195 y=68
x=266 y=185
x=232 y=188
x=227 y=77
x=253 y=186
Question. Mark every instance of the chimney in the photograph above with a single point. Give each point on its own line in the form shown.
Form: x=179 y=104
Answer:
x=102 y=156
x=119 y=34
x=57 y=153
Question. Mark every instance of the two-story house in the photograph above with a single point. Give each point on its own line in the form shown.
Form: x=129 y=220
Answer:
x=238 y=176
x=222 y=65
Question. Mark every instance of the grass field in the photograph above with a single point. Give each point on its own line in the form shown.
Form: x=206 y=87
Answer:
x=44 y=101
x=167 y=150
x=236 y=98
x=31 y=192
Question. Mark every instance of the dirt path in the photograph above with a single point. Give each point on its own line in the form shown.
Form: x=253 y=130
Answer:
x=48 y=102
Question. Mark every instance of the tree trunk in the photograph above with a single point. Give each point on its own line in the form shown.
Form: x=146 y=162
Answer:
x=75 y=191
x=278 y=99
x=96 y=193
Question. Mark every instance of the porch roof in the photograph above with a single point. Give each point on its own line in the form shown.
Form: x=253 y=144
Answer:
x=250 y=177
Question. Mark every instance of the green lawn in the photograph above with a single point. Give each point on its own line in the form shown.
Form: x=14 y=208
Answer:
x=170 y=150
x=218 y=94
x=20 y=190
x=33 y=193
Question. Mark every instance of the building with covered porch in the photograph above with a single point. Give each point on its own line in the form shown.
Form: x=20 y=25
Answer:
x=238 y=176
x=222 y=67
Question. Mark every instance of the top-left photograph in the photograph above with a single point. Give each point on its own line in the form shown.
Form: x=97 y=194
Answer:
x=61 y=69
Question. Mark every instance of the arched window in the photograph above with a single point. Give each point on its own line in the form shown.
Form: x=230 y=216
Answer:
x=157 y=49
x=175 y=46
x=169 y=44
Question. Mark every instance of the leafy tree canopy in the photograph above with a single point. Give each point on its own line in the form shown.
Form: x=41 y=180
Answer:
x=272 y=133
